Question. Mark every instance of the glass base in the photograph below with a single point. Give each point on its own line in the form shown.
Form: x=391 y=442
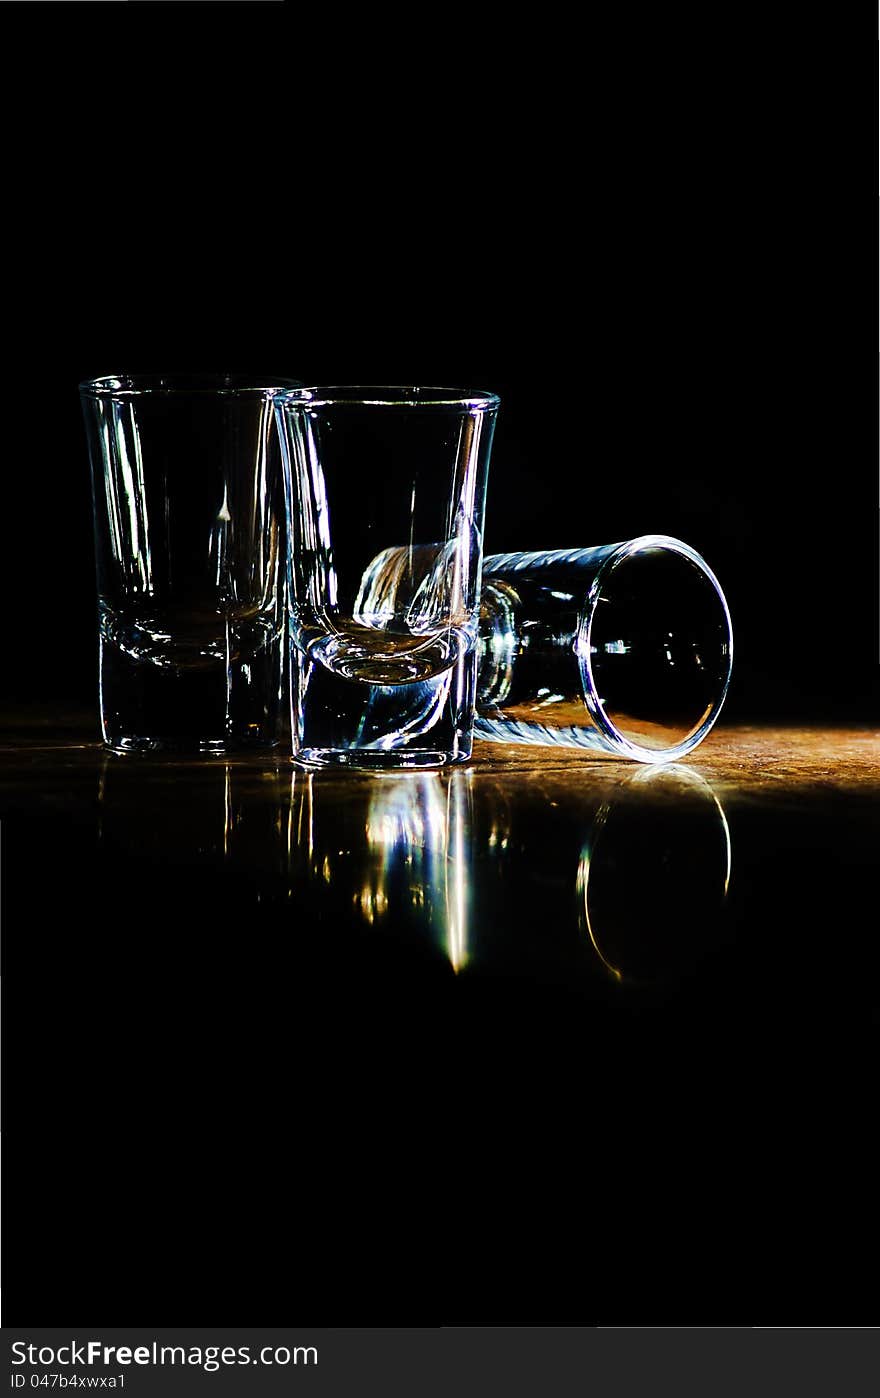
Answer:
x=206 y=710
x=340 y=722
x=380 y=761
x=201 y=747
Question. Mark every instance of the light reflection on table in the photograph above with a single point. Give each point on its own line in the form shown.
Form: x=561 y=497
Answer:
x=623 y=876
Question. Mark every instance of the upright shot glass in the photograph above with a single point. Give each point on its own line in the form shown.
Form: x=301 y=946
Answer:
x=189 y=534
x=384 y=679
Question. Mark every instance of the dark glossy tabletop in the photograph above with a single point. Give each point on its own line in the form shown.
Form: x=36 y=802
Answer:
x=490 y=1045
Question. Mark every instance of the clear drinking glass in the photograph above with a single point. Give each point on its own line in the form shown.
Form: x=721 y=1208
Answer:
x=625 y=648
x=384 y=680
x=189 y=533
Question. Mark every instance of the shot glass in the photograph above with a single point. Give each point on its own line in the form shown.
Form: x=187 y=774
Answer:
x=384 y=678
x=189 y=535
x=625 y=648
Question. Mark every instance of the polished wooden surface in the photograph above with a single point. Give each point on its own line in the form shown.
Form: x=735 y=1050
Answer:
x=548 y=1038
x=745 y=758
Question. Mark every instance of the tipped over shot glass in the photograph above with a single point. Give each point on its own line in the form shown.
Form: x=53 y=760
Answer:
x=189 y=536
x=384 y=679
x=624 y=648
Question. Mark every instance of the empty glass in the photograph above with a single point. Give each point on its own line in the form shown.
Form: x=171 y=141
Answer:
x=189 y=515
x=384 y=678
x=625 y=648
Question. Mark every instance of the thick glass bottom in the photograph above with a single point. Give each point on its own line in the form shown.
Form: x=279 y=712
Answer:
x=210 y=709
x=374 y=761
x=340 y=722
x=186 y=746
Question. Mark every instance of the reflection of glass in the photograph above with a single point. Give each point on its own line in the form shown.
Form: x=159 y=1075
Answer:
x=384 y=681
x=392 y=854
x=233 y=818
x=625 y=648
x=625 y=878
x=652 y=875
x=188 y=514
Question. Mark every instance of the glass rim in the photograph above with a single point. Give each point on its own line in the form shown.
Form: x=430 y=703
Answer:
x=618 y=740
x=386 y=396
x=137 y=385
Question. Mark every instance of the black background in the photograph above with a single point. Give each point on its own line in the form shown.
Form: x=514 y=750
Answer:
x=755 y=459
x=657 y=263
x=650 y=244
